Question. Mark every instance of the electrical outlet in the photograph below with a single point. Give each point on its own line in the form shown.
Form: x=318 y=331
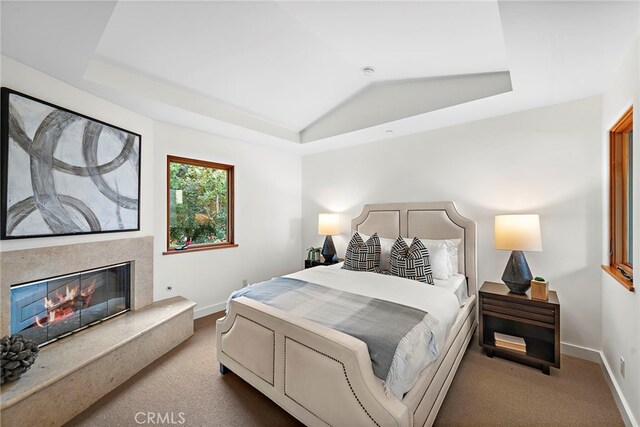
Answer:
x=622 y=366
x=244 y=282
x=169 y=288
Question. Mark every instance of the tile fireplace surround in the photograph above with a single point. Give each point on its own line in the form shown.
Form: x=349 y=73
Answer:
x=81 y=368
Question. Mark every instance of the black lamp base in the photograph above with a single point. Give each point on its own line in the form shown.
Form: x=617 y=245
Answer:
x=517 y=275
x=328 y=249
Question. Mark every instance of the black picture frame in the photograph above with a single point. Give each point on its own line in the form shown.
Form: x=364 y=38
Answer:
x=32 y=133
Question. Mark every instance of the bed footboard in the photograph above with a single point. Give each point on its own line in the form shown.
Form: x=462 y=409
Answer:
x=318 y=375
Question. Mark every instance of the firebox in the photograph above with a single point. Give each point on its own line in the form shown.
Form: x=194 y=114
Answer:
x=49 y=309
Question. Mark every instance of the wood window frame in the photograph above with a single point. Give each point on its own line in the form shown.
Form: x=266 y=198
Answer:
x=230 y=243
x=618 y=200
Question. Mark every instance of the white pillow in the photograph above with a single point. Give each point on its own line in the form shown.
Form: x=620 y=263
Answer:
x=452 y=246
x=438 y=257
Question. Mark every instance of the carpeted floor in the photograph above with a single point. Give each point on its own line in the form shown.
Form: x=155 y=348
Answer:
x=186 y=384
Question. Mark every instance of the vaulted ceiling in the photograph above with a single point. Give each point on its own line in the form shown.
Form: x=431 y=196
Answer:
x=289 y=74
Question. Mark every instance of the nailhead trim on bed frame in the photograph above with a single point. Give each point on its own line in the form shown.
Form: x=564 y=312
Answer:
x=273 y=372
x=344 y=370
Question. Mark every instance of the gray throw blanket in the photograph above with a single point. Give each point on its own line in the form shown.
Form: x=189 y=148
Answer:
x=391 y=331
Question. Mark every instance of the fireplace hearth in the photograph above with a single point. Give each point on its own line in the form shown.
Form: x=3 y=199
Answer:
x=49 y=309
x=73 y=373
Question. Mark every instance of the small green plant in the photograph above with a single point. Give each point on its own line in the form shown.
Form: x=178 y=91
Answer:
x=311 y=252
x=539 y=279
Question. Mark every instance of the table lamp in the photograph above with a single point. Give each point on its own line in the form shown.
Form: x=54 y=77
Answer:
x=328 y=224
x=518 y=233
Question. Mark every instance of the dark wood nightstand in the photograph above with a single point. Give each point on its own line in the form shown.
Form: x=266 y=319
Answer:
x=311 y=264
x=536 y=321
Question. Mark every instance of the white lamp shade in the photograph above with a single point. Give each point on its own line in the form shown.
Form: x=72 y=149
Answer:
x=518 y=232
x=328 y=224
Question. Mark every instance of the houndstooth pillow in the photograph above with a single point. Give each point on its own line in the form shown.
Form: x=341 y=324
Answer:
x=411 y=262
x=363 y=256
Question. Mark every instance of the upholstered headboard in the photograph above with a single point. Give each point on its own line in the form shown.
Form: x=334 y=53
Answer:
x=428 y=220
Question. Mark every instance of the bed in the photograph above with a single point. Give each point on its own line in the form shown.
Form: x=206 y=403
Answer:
x=324 y=377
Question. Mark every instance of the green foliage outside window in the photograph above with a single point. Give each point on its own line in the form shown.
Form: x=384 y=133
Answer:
x=198 y=209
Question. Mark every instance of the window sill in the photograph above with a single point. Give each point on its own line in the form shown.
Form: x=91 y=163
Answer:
x=199 y=248
x=618 y=277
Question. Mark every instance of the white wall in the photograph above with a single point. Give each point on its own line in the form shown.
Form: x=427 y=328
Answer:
x=267 y=219
x=545 y=161
x=621 y=308
x=17 y=76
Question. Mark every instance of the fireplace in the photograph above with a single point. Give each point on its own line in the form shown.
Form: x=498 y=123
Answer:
x=49 y=309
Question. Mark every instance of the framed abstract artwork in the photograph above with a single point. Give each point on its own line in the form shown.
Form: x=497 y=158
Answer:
x=64 y=173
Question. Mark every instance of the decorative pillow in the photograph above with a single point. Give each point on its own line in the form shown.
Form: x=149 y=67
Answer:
x=385 y=251
x=452 y=248
x=363 y=256
x=411 y=262
x=438 y=257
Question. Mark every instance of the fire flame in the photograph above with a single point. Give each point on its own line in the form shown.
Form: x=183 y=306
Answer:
x=63 y=306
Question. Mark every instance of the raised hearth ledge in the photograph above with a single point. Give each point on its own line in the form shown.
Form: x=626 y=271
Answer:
x=71 y=374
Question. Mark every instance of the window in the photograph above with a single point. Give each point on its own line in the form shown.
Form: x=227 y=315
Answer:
x=621 y=200
x=199 y=205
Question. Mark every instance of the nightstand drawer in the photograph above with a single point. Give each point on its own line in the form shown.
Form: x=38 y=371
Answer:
x=545 y=310
x=540 y=314
x=518 y=312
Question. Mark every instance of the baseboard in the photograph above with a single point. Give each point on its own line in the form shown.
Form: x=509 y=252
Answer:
x=596 y=356
x=581 y=352
x=210 y=309
x=621 y=402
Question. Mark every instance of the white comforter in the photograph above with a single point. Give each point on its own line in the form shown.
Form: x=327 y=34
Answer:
x=441 y=303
